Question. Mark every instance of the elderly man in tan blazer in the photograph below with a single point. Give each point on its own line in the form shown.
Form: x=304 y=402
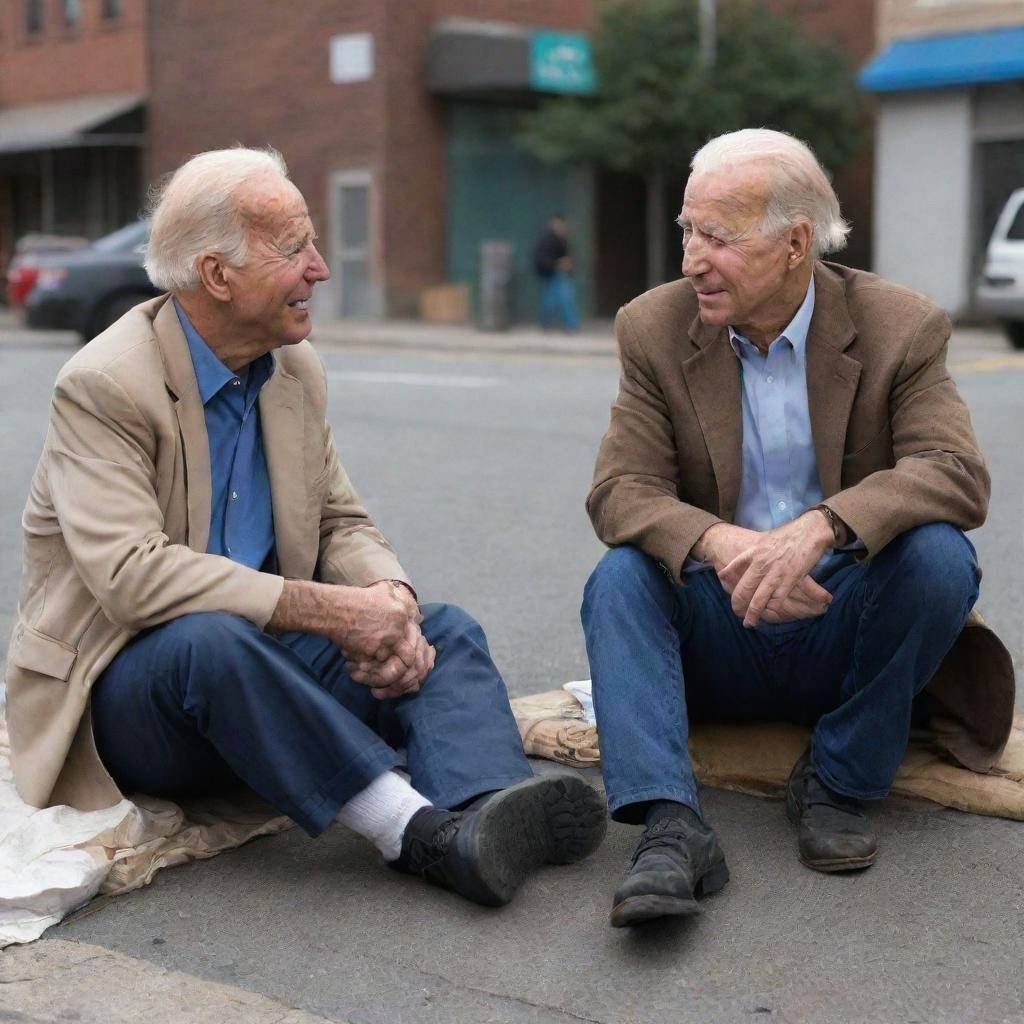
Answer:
x=205 y=602
x=785 y=483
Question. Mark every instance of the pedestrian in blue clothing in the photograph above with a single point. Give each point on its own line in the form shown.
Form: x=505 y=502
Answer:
x=552 y=260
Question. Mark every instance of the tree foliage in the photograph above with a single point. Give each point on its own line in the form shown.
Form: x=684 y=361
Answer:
x=657 y=104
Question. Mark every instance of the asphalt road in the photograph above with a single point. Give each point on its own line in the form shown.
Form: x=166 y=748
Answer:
x=476 y=468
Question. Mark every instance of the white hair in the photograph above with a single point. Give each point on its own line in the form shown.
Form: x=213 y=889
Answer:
x=195 y=211
x=798 y=187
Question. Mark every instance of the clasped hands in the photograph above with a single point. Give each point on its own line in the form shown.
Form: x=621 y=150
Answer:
x=767 y=574
x=382 y=642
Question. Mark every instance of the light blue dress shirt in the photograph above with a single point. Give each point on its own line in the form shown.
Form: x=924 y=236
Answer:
x=780 y=470
x=241 y=515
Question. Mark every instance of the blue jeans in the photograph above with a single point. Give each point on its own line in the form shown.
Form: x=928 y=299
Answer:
x=558 y=299
x=196 y=705
x=661 y=655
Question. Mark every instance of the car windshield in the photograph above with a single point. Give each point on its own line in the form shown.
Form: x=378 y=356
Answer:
x=124 y=239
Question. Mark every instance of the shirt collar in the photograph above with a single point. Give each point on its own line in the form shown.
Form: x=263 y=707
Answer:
x=211 y=373
x=795 y=331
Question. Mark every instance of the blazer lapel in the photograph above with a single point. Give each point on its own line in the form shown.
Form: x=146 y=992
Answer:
x=712 y=377
x=832 y=377
x=188 y=407
x=281 y=420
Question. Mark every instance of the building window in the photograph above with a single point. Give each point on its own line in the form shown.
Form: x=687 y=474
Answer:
x=33 y=17
x=112 y=9
x=71 y=10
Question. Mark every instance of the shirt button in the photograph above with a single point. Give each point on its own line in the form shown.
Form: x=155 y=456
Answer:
x=236 y=383
x=770 y=379
x=782 y=506
x=234 y=495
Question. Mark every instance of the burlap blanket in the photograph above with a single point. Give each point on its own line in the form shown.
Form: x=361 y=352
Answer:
x=757 y=759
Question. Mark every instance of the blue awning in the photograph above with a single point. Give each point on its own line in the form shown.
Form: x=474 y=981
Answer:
x=936 y=62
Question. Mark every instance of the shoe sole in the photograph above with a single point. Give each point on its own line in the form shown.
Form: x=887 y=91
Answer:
x=553 y=819
x=831 y=866
x=834 y=867
x=638 y=909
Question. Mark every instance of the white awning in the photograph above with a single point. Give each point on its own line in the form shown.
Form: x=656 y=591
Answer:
x=59 y=124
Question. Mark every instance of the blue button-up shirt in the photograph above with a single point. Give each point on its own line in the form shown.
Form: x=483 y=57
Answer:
x=241 y=516
x=780 y=471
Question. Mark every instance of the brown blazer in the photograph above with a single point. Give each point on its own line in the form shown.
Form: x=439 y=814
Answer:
x=117 y=523
x=893 y=440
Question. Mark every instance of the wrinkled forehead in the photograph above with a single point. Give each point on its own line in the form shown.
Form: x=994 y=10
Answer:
x=272 y=206
x=736 y=191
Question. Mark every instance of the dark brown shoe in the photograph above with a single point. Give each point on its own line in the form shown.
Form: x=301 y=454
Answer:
x=675 y=863
x=834 y=831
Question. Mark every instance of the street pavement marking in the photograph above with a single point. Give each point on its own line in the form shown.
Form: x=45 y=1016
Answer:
x=436 y=380
x=990 y=364
x=54 y=979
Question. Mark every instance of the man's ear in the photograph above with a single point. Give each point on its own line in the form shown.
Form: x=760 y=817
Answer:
x=799 y=243
x=213 y=278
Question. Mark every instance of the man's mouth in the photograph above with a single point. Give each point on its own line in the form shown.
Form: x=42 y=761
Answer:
x=299 y=304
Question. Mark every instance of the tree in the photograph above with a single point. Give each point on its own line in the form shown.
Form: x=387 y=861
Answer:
x=658 y=101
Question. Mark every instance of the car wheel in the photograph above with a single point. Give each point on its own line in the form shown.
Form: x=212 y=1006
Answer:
x=111 y=310
x=1014 y=332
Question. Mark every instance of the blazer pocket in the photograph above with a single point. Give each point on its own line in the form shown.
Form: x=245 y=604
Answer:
x=884 y=436
x=37 y=652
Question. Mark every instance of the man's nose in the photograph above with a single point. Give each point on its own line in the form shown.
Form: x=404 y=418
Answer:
x=317 y=269
x=694 y=259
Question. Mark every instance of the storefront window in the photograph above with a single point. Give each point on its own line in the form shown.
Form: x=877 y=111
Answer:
x=72 y=12
x=33 y=17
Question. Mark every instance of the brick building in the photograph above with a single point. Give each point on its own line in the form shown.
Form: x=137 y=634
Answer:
x=73 y=87
x=949 y=76
x=403 y=178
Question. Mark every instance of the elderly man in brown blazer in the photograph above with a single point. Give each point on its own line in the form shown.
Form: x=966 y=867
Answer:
x=205 y=602
x=784 y=483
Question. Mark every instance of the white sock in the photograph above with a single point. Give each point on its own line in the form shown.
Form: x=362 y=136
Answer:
x=382 y=811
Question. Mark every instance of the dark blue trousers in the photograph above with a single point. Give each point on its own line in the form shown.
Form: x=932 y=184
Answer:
x=196 y=705
x=661 y=655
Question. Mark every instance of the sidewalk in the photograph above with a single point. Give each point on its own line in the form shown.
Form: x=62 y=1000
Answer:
x=593 y=339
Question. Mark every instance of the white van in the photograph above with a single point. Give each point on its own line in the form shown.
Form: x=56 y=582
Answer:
x=1000 y=292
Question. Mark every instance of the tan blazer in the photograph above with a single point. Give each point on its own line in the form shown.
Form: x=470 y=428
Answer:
x=117 y=523
x=893 y=441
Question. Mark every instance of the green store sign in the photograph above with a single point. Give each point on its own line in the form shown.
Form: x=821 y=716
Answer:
x=560 y=62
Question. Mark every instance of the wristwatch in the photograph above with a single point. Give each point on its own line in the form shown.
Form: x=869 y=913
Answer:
x=833 y=522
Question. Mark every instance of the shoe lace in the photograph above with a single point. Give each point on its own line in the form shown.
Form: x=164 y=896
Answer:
x=666 y=832
x=426 y=854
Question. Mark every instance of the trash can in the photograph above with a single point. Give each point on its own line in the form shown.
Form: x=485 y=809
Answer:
x=495 y=285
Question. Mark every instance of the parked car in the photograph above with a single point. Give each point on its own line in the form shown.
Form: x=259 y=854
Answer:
x=1000 y=292
x=24 y=266
x=87 y=290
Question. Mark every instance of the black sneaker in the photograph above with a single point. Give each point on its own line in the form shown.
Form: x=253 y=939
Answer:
x=834 y=831
x=675 y=863
x=486 y=854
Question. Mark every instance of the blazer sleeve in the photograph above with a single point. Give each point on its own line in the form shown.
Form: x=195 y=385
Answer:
x=102 y=477
x=635 y=498
x=352 y=550
x=939 y=474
